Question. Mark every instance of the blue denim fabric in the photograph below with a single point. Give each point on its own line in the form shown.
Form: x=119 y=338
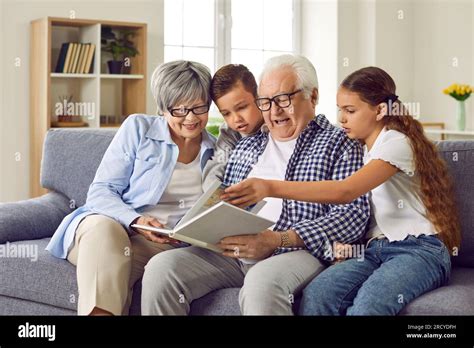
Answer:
x=389 y=277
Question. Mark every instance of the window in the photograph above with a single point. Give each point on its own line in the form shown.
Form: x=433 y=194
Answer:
x=219 y=32
x=264 y=31
x=190 y=30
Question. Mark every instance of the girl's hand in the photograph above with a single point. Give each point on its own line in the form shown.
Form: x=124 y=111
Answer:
x=152 y=236
x=341 y=251
x=247 y=192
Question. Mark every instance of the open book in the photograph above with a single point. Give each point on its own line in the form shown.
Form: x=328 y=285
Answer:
x=211 y=219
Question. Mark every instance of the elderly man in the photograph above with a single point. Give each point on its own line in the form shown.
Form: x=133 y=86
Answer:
x=273 y=266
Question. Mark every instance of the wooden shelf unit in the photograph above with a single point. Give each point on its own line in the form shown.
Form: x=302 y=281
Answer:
x=125 y=93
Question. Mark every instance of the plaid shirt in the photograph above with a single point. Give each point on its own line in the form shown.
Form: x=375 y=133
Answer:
x=322 y=152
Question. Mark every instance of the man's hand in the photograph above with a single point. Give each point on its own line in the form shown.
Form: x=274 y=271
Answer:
x=247 y=192
x=151 y=236
x=256 y=246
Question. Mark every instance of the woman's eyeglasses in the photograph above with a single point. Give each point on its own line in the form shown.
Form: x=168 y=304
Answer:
x=183 y=112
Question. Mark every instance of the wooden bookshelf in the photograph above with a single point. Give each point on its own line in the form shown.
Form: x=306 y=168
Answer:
x=101 y=93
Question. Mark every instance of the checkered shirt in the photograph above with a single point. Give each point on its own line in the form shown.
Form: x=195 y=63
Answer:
x=322 y=152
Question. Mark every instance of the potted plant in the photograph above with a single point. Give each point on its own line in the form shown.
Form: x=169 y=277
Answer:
x=120 y=46
x=460 y=93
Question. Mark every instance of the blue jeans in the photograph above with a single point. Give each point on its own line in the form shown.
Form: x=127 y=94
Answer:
x=389 y=277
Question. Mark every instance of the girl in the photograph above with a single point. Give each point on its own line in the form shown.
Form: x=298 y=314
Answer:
x=414 y=226
x=233 y=90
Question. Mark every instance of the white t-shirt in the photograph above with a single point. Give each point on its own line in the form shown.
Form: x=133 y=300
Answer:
x=272 y=165
x=183 y=190
x=397 y=209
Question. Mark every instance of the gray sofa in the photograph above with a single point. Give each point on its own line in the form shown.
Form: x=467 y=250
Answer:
x=47 y=286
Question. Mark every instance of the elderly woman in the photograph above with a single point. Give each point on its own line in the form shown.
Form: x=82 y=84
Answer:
x=151 y=174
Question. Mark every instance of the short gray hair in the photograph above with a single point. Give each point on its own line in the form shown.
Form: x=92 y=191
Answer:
x=303 y=68
x=180 y=81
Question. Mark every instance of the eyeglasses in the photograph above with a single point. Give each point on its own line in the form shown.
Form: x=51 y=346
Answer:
x=183 y=112
x=282 y=100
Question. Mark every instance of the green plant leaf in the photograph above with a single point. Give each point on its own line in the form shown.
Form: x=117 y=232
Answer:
x=120 y=46
x=213 y=129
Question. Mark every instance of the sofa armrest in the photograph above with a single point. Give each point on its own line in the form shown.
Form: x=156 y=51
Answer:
x=33 y=218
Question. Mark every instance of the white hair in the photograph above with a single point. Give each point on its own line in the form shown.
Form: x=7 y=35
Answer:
x=180 y=81
x=307 y=78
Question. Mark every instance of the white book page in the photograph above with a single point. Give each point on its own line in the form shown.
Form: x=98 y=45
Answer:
x=207 y=200
x=220 y=221
x=165 y=231
x=223 y=220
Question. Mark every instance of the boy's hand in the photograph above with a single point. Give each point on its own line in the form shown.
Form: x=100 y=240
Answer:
x=247 y=192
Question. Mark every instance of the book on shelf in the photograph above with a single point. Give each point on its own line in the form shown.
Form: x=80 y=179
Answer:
x=83 y=59
x=75 y=46
x=62 y=58
x=89 y=67
x=78 y=58
x=67 y=62
x=75 y=58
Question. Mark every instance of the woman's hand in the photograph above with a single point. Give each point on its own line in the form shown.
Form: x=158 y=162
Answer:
x=255 y=246
x=151 y=236
x=247 y=192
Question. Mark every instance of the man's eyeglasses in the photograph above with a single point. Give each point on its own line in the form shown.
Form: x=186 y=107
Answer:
x=183 y=112
x=282 y=100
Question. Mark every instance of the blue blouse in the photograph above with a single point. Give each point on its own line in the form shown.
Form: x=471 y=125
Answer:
x=133 y=174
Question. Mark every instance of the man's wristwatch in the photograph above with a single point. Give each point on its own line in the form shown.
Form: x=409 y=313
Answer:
x=285 y=239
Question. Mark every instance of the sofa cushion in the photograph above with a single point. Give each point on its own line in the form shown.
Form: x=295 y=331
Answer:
x=459 y=155
x=219 y=302
x=71 y=158
x=47 y=280
x=33 y=218
x=52 y=282
x=455 y=299
x=42 y=278
x=16 y=306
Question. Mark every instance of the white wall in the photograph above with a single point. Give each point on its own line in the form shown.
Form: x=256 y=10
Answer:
x=341 y=36
x=15 y=41
x=2 y=114
x=356 y=36
x=371 y=33
x=416 y=50
x=394 y=31
x=319 y=44
x=444 y=30
x=415 y=41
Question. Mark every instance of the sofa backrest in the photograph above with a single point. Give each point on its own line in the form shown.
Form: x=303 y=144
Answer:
x=71 y=158
x=459 y=156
